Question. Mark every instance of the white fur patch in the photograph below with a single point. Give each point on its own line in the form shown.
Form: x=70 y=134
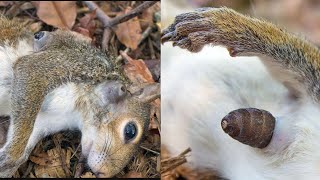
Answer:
x=198 y=90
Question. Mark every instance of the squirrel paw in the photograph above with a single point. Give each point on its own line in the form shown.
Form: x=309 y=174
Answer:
x=8 y=166
x=188 y=31
x=217 y=26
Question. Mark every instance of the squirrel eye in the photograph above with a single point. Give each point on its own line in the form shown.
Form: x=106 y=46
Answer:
x=130 y=131
x=38 y=35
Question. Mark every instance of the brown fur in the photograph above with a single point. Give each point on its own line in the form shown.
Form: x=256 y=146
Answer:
x=12 y=31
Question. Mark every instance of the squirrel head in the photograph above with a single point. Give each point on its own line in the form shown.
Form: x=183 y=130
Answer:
x=115 y=124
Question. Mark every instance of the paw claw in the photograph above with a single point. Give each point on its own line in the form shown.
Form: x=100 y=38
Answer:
x=166 y=37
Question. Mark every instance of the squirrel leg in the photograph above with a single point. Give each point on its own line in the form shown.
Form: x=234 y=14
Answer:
x=243 y=35
x=25 y=107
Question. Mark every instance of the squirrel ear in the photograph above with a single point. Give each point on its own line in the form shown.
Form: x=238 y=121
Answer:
x=146 y=92
x=40 y=39
x=111 y=92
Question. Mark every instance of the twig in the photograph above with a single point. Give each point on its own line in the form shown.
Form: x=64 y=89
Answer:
x=133 y=13
x=99 y=13
x=153 y=56
x=108 y=23
x=80 y=167
x=145 y=148
x=172 y=163
x=104 y=19
x=29 y=168
x=57 y=142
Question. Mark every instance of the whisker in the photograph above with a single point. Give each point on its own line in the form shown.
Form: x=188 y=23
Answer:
x=109 y=146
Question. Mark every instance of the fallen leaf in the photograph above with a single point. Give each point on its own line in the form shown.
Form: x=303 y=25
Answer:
x=60 y=14
x=35 y=27
x=82 y=31
x=133 y=174
x=129 y=32
x=136 y=70
x=49 y=164
x=5 y=3
x=88 y=175
x=87 y=26
x=41 y=159
x=146 y=19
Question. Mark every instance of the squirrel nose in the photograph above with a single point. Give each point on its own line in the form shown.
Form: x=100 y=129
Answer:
x=38 y=35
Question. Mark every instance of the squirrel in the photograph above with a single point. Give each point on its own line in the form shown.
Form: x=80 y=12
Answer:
x=58 y=80
x=277 y=72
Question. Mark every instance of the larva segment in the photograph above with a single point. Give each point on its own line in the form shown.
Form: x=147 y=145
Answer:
x=250 y=126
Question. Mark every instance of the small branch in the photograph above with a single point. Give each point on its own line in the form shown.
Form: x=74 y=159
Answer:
x=145 y=148
x=108 y=23
x=171 y=163
x=80 y=167
x=100 y=14
x=104 y=19
x=133 y=13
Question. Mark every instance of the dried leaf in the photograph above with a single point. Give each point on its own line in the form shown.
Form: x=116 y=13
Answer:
x=60 y=14
x=82 y=31
x=35 y=27
x=5 y=3
x=41 y=159
x=49 y=164
x=88 y=175
x=133 y=174
x=87 y=25
x=136 y=70
x=147 y=15
x=129 y=32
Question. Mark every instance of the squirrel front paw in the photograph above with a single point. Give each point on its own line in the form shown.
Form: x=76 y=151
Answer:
x=216 y=26
x=189 y=31
x=8 y=166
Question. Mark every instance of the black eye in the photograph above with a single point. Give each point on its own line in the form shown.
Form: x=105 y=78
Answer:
x=38 y=35
x=130 y=131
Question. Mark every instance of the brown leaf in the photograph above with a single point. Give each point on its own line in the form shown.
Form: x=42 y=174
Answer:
x=49 y=164
x=133 y=174
x=41 y=159
x=60 y=14
x=136 y=70
x=5 y=3
x=129 y=32
x=82 y=31
x=87 y=24
x=88 y=175
x=147 y=15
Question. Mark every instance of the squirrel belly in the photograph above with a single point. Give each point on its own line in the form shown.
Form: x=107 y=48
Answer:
x=215 y=84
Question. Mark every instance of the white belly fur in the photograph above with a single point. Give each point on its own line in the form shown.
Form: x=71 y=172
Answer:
x=198 y=90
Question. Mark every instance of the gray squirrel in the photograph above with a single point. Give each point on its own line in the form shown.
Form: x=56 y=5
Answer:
x=56 y=80
x=281 y=78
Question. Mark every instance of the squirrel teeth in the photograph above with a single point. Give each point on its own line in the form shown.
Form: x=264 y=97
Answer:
x=250 y=126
